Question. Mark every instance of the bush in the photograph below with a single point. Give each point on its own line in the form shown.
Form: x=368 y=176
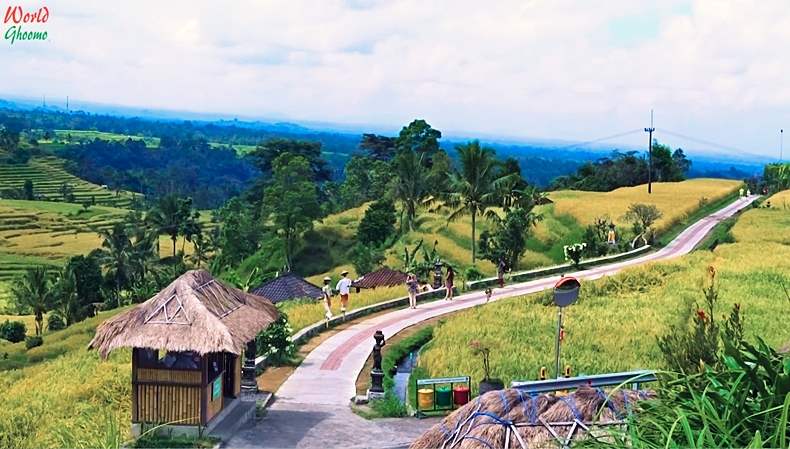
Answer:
x=473 y=273
x=365 y=259
x=55 y=322
x=33 y=342
x=275 y=342
x=13 y=331
x=378 y=223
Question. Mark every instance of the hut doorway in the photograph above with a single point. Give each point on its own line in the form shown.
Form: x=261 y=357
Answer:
x=231 y=386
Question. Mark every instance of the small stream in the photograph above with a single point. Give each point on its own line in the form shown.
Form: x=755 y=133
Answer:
x=402 y=374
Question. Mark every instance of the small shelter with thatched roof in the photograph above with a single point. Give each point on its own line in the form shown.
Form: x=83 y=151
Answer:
x=187 y=343
x=287 y=286
x=383 y=277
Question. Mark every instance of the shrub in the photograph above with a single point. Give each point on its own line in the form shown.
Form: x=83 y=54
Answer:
x=55 y=322
x=13 y=331
x=33 y=342
x=378 y=223
x=366 y=259
x=574 y=252
x=275 y=342
x=473 y=273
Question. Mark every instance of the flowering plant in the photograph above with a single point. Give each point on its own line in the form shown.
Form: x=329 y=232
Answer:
x=574 y=252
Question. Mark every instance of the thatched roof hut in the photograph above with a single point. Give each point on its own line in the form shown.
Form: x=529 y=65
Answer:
x=478 y=424
x=194 y=313
x=287 y=286
x=383 y=277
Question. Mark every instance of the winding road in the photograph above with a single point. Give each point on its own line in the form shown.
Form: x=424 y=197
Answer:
x=312 y=406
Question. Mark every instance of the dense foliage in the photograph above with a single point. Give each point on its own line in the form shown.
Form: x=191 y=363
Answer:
x=184 y=167
x=627 y=169
x=13 y=331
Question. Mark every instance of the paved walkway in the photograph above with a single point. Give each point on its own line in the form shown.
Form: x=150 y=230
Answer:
x=312 y=406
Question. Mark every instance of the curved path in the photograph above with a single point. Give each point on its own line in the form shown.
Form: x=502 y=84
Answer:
x=312 y=406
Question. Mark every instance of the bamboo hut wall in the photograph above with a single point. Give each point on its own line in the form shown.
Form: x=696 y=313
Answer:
x=237 y=378
x=167 y=404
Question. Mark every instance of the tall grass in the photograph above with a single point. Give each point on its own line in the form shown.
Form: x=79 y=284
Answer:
x=302 y=313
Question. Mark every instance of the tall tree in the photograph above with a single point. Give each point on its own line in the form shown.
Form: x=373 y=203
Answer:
x=33 y=291
x=115 y=255
x=366 y=179
x=419 y=137
x=508 y=241
x=473 y=190
x=291 y=201
x=378 y=223
x=411 y=184
x=84 y=272
x=268 y=151
x=380 y=148
x=169 y=216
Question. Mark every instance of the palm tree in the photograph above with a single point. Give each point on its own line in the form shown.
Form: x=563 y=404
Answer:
x=474 y=189
x=115 y=255
x=67 y=301
x=169 y=216
x=34 y=291
x=411 y=187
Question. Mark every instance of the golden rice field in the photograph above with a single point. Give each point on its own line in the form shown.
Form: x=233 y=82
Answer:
x=674 y=199
x=66 y=397
x=617 y=320
x=304 y=313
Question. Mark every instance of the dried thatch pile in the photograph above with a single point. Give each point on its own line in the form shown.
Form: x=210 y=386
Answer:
x=194 y=313
x=512 y=405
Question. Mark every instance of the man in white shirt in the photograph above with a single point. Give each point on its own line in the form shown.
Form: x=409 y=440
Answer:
x=343 y=286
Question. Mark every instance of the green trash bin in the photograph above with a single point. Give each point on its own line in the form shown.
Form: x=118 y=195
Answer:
x=444 y=397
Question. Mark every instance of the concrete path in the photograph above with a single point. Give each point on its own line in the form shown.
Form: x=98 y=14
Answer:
x=312 y=406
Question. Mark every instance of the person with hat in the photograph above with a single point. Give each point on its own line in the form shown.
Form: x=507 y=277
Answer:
x=344 y=287
x=327 y=291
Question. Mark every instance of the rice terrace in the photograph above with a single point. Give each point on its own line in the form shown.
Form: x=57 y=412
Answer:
x=394 y=225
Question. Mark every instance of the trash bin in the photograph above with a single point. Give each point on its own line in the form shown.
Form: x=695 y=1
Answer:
x=425 y=398
x=460 y=395
x=444 y=397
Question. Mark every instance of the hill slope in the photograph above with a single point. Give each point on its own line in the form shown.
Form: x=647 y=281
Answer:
x=617 y=320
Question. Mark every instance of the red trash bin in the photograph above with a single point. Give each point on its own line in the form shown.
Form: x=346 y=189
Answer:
x=460 y=395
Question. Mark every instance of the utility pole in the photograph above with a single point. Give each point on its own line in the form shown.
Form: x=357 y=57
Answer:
x=67 y=103
x=781 y=143
x=650 y=155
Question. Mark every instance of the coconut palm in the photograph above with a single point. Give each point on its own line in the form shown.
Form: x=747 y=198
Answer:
x=34 y=291
x=116 y=256
x=411 y=186
x=169 y=216
x=66 y=296
x=474 y=189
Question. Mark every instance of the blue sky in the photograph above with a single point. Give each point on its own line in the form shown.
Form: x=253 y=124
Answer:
x=550 y=69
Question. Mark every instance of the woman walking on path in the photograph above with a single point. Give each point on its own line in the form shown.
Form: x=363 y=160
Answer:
x=500 y=273
x=448 y=283
x=327 y=292
x=411 y=285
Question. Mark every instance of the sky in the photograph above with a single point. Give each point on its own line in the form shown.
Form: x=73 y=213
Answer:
x=715 y=70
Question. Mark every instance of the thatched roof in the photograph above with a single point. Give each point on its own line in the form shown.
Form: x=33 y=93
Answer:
x=194 y=313
x=480 y=430
x=383 y=277
x=287 y=286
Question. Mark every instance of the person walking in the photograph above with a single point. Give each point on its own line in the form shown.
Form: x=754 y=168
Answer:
x=449 y=278
x=411 y=286
x=500 y=272
x=343 y=287
x=327 y=292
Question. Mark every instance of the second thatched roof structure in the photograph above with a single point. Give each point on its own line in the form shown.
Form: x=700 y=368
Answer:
x=194 y=313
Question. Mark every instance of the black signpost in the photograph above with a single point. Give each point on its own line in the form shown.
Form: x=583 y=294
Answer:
x=566 y=291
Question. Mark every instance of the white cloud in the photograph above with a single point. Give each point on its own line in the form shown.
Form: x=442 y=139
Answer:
x=553 y=69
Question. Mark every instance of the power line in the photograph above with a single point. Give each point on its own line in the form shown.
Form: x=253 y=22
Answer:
x=719 y=146
x=600 y=139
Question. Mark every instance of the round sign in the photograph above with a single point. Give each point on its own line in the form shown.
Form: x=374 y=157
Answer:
x=566 y=291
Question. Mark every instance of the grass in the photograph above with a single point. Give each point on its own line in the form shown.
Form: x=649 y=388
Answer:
x=303 y=313
x=48 y=175
x=61 y=395
x=617 y=320
x=675 y=199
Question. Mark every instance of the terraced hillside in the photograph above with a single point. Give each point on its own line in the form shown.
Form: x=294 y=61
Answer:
x=563 y=222
x=48 y=176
